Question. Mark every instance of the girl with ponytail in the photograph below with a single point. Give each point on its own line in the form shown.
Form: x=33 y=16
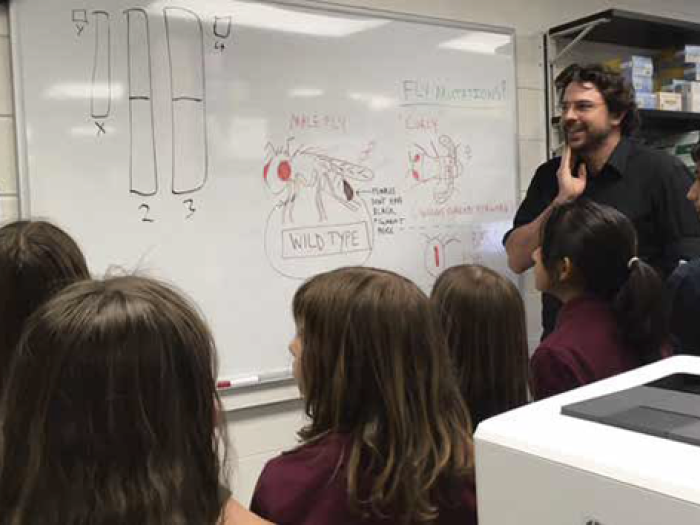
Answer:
x=614 y=317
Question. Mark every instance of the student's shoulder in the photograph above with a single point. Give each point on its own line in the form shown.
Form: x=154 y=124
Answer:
x=236 y=514
x=308 y=459
x=686 y=271
x=291 y=484
x=685 y=281
x=554 y=352
x=554 y=370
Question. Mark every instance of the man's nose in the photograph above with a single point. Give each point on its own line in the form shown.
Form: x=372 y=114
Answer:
x=568 y=114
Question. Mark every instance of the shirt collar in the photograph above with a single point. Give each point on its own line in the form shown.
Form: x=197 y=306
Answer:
x=585 y=302
x=620 y=155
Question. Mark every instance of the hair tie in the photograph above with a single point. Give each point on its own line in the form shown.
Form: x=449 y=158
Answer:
x=632 y=261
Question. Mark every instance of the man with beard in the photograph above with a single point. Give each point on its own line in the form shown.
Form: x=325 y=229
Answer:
x=600 y=162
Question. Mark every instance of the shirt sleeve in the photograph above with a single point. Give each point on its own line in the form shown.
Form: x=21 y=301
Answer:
x=680 y=225
x=550 y=374
x=260 y=494
x=540 y=194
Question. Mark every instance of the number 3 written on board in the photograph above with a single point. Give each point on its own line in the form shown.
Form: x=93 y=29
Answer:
x=189 y=204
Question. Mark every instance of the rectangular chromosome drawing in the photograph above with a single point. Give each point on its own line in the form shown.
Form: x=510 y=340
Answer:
x=143 y=172
x=183 y=29
x=101 y=93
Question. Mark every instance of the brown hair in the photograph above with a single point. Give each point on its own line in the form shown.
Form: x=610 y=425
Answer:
x=36 y=260
x=483 y=316
x=375 y=366
x=109 y=411
x=617 y=93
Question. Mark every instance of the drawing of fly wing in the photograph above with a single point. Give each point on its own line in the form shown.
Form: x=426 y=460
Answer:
x=346 y=170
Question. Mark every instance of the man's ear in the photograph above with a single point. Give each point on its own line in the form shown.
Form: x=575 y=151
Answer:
x=565 y=270
x=618 y=118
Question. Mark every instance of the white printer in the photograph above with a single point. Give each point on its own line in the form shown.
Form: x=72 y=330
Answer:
x=623 y=451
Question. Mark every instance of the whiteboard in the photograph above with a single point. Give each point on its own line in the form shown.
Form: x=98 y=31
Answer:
x=236 y=148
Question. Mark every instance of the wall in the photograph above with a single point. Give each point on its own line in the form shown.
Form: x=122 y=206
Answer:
x=259 y=433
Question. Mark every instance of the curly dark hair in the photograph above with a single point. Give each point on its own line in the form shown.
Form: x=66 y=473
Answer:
x=617 y=93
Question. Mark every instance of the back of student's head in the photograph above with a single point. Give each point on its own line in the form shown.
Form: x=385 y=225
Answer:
x=375 y=366
x=483 y=316
x=601 y=243
x=36 y=259
x=109 y=411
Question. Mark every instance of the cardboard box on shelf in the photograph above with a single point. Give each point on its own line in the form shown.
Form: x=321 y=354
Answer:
x=669 y=101
x=638 y=65
x=641 y=84
x=691 y=102
x=645 y=100
x=690 y=94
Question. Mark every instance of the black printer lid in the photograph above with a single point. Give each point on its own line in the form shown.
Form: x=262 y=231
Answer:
x=668 y=407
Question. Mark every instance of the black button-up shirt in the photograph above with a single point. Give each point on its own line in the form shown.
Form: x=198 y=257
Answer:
x=648 y=186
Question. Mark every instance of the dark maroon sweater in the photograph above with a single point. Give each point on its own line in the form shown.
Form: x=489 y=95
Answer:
x=584 y=347
x=306 y=486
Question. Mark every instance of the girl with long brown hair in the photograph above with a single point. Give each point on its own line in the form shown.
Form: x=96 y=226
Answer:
x=483 y=316
x=110 y=413
x=36 y=260
x=389 y=436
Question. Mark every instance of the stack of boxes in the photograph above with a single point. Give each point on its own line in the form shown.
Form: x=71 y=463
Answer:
x=639 y=71
x=672 y=84
x=670 y=81
x=679 y=74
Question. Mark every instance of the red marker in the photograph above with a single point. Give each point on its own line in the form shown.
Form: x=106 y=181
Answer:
x=252 y=380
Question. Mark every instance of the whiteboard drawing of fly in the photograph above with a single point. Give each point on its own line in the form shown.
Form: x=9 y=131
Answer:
x=443 y=168
x=306 y=169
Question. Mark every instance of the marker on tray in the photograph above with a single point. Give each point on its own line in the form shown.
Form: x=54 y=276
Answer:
x=238 y=382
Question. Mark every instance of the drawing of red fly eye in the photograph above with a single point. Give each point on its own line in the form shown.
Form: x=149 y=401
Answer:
x=284 y=171
x=266 y=169
x=415 y=159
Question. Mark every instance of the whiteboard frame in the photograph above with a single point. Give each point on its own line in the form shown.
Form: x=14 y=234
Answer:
x=281 y=388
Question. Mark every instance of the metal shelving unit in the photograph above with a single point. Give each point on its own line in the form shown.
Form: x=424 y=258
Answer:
x=620 y=28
